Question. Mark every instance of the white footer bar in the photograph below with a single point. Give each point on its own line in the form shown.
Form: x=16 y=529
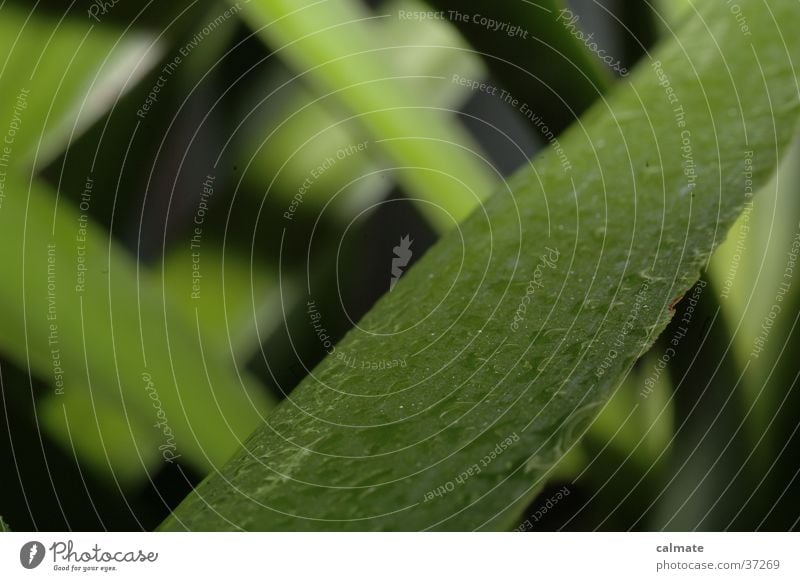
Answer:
x=399 y=556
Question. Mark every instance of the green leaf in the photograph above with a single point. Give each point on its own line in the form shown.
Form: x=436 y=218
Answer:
x=338 y=47
x=637 y=420
x=99 y=333
x=466 y=432
x=674 y=12
x=237 y=305
x=302 y=126
x=749 y=271
x=68 y=73
x=561 y=81
x=58 y=77
x=755 y=272
x=4 y=528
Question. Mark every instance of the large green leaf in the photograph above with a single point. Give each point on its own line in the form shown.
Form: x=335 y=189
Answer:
x=466 y=432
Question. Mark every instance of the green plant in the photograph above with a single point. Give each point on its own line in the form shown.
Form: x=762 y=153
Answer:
x=139 y=346
x=347 y=452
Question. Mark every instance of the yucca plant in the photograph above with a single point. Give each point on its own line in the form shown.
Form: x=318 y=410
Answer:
x=398 y=266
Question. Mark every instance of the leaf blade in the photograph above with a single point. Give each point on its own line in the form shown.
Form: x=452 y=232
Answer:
x=353 y=450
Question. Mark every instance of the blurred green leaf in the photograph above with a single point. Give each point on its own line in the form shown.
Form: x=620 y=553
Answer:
x=102 y=336
x=705 y=477
x=638 y=418
x=674 y=12
x=239 y=304
x=533 y=50
x=70 y=73
x=299 y=126
x=759 y=299
x=749 y=271
x=604 y=248
x=339 y=47
x=60 y=76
